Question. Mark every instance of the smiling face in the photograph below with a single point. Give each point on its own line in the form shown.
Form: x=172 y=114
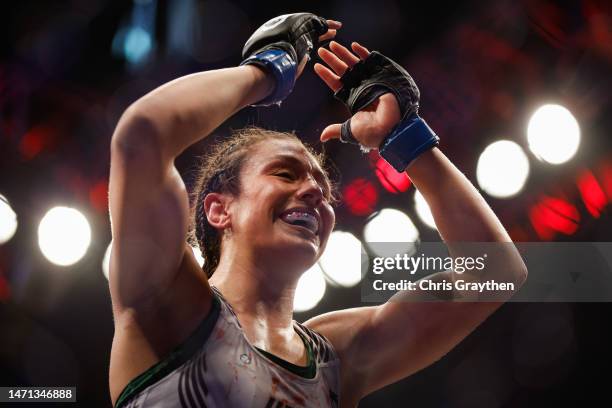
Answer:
x=283 y=211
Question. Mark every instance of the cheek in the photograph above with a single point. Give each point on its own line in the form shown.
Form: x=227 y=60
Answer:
x=329 y=218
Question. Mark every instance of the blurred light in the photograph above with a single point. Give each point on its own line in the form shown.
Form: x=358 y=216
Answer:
x=98 y=196
x=106 y=260
x=341 y=261
x=135 y=39
x=552 y=215
x=606 y=177
x=137 y=44
x=553 y=134
x=198 y=255
x=360 y=197
x=8 y=220
x=392 y=226
x=310 y=289
x=390 y=179
x=64 y=235
x=592 y=194
x=502 y=169
x=423 y=210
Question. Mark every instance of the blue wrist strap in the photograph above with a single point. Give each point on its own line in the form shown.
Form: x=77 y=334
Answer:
x=280 y=64
x=410 y=138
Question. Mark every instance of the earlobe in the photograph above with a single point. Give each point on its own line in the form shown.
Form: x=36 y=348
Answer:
x=215 y=208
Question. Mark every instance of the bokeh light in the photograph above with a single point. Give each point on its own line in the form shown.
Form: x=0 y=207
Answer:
x=64 y=235
x=341 y=261
x=394 y=226
x=310 y=289
x=553 y=134
x=502 y=169
x=8 y=220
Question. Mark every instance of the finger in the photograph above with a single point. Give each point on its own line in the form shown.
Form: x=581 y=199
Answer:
x=343 y=53
x=360 y=50
x=331 y=33
x=332 y=80
x=333 y=61
x=331 y=132
x=334 y=24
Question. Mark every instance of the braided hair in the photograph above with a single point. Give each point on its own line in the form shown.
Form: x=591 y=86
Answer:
x=219 y=172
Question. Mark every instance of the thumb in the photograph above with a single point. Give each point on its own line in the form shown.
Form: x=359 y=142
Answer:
x=331 y=132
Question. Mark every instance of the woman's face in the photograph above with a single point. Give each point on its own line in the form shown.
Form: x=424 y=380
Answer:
x=283 y=210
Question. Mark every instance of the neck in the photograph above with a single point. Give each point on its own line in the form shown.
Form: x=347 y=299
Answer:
x=260 y=294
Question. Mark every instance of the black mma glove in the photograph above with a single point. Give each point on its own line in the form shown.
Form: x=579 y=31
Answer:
x=279 y=46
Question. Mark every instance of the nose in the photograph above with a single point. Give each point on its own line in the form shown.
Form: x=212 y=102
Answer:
x=311 y=192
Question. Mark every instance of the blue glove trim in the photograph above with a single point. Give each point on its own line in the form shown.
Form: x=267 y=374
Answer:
x=410 y=138
x=280 y=64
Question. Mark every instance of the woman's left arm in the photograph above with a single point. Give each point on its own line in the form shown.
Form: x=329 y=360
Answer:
x=383 y=344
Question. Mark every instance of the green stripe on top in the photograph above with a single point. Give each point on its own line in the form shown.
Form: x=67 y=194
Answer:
x=308 y=371
x=179 y=355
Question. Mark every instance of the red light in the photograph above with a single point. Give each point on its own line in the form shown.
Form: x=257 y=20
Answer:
x=98 y=196
x=391 y=180
x=552 y=215
x=360 y=197
x=33 y=142
x=606 y=176
x=592 y=193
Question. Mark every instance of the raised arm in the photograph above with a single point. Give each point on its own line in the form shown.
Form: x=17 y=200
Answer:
x=380 y=345
x=148 y=200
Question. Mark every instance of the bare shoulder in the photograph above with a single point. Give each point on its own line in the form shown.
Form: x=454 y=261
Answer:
x=146 y=334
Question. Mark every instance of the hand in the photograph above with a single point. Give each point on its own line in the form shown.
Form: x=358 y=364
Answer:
x=333 y=27
x=374 y=122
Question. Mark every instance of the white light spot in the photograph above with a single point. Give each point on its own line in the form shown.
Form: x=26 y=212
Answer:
x=106 y=261
x=502 y=169
x=8 y=220
x=393 y=226
x=423 y=210
x=553 y=134
x=64 y=235
x=198 y=255
x=341 y=261
x=310 y=289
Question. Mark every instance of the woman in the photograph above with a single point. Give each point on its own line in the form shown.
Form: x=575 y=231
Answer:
x=262 y=216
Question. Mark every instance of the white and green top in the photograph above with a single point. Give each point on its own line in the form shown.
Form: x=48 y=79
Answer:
x=218 y=367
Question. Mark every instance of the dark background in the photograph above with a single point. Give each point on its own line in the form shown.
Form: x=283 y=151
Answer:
x=482 y=67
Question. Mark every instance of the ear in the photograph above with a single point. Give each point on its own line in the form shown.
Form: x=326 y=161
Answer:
x=215 y=208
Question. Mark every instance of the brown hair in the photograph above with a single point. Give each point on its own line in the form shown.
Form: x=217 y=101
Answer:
x=219 y=172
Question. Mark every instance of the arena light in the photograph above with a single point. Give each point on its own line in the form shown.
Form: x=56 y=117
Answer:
x=198 y=255
x=423 y=210
x=553 y=134
x=392 y=180
x=360 y=197
x=502 y=169
x=392 y=226
x=341 y=261
x=8 y=220
x=64 y=235
x=106 y=261
x=310 y=289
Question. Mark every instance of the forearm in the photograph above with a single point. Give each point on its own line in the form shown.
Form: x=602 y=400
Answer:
x=460 y=212
x=462 y=216
x=189 y=108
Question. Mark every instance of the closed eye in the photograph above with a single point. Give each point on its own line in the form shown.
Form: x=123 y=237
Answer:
x=285 y=174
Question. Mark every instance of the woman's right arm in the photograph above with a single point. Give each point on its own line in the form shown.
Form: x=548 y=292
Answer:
x=149 y=204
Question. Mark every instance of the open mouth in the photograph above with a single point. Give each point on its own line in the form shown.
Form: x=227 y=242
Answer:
x=302 y=218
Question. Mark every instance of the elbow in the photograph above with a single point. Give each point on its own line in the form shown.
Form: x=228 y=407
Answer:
x=136 y=134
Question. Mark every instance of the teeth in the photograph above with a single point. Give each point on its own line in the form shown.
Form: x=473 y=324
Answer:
x=302 y=218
